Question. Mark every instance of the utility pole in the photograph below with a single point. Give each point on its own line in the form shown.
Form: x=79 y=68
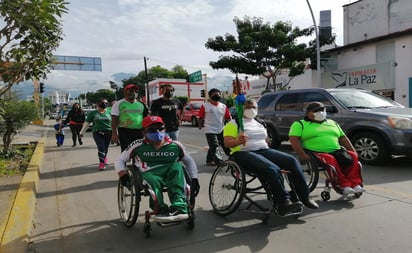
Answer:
x=147 y=83
x=318 y=72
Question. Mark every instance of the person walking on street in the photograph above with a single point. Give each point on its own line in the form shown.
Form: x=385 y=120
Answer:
x=59 y=132
x=127 y=116
x=169 y=109
x=213 y=115
x=75 y=118
x=102 y=130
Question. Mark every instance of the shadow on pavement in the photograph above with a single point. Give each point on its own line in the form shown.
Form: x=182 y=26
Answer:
x=211 y=234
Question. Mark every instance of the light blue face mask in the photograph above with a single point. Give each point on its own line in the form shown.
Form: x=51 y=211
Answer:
x=156 y=136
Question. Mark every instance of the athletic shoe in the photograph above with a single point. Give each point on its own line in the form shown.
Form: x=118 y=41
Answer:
x=359 y=189
x=310 y=203
x=106 y=161
x=211 y=163
x=80 y=142
x=174 y=215
x=347 y=190
x=288 y=207
x=101 y=166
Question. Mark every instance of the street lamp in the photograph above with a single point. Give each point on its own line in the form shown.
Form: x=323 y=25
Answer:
x=115 y=87
x=317 y=46
x=147 y=83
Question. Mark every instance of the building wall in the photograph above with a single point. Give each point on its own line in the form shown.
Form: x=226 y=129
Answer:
x=58 y=97
x=402 y=69
x=367 y=19
x=355 y=57
x=182 y=88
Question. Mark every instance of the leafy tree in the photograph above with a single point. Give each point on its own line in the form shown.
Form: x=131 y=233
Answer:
x=179 y=72
x=93 y=97
x=182 y=99
x=262 y=49
x=311 y=51
x=30 y=32
x=14 y=115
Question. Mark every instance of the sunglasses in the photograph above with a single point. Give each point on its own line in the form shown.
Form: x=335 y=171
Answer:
x=319 y=109
x=155 y=129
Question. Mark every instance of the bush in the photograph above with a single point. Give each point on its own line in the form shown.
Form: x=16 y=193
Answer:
x=16 y=160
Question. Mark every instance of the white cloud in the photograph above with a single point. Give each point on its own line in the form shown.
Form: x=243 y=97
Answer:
x=168 y=32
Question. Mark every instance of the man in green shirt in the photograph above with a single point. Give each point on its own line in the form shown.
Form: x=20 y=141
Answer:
x=127 y=115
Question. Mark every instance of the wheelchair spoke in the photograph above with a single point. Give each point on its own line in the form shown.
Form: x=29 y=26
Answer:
x=226 y=188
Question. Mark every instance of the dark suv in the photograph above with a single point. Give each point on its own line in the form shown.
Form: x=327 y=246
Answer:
x=377 y=126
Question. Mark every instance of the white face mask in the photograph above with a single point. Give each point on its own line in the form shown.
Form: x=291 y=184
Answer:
x=250 y=113
x=320 y=116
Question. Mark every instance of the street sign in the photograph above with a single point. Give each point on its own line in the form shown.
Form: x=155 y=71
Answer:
x=195 y=76
x=78 y=63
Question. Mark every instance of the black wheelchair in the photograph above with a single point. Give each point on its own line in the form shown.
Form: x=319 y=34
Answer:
x=315 y=167
x=230 y=184
x=129 y=202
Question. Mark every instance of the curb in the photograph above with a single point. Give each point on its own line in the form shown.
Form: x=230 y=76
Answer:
x=15 y=230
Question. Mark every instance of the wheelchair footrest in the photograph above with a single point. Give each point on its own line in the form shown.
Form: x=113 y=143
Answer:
x=169 y=224
x=264 y=211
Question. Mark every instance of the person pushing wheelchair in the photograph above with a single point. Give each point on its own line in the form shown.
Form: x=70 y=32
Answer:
x=157 y=156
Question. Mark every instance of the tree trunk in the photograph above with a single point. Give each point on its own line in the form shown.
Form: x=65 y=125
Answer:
x=8 y=138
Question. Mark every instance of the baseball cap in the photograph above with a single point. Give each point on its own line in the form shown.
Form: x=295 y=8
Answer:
x=313 y=106
x=150 y=120
x=131 y=86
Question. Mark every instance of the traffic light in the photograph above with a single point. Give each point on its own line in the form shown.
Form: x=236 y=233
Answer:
x=41 y=89
x=202 y=93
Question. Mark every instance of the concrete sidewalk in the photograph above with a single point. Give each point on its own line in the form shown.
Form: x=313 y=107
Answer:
x=18 y=193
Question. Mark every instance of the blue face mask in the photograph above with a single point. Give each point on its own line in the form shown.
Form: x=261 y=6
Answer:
x=156 y=136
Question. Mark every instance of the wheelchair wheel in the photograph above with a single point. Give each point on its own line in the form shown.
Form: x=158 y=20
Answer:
x=227 y=188
x=311 y=173
x=129 y=200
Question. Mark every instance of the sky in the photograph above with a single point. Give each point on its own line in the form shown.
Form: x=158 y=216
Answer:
x=166 y=32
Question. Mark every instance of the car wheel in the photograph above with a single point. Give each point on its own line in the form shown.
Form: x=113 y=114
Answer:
x=273 y=138
x=371 y=148
x=194 y=121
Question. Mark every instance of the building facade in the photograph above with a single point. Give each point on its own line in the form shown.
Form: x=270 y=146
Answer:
x=376 y=55
x=377 y=50
x=182 y=88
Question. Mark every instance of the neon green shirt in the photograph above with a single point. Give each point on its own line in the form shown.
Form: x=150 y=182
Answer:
x=321 y=137
x=130 y=114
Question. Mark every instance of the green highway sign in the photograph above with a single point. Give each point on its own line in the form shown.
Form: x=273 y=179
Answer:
x=195 y=76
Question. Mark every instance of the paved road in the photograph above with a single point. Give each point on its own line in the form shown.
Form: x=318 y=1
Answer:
x=77 y=212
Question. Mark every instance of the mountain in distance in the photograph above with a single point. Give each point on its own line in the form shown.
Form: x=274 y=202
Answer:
x=119 y=77
x=25 y=89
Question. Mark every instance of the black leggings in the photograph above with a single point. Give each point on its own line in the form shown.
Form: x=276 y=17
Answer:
x=127 y=136
x=75 y=129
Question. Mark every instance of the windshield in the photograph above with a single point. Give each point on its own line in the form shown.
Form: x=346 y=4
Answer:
x=361 y=99
x=196 y=106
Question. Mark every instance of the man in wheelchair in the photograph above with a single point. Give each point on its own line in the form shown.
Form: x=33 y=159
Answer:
x=250 y=150
x=157 y=157
x=315 y=133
